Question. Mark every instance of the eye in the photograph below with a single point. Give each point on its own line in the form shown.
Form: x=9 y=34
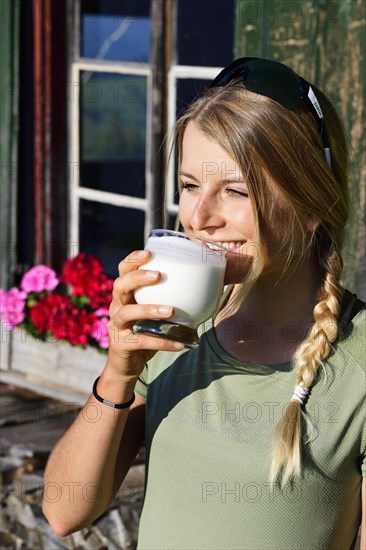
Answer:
x=190 y=187
x=236 y=193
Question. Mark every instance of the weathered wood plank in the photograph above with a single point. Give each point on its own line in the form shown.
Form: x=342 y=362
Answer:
x=54 y=364
x=20 y=407
x=325 y=41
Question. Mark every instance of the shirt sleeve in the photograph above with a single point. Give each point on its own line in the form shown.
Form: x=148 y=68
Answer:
x=142 y=382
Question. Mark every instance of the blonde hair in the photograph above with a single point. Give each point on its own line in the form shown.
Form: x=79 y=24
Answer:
x=265 y=138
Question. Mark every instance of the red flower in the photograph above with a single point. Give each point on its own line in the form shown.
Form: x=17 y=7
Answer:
x=75 y=317
x=56 y=314
x=47 y=309
x=85 y=274
x=99 y=292
x=84 y=264
x=75 y=327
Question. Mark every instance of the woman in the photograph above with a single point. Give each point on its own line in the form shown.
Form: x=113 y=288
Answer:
x=256 y=438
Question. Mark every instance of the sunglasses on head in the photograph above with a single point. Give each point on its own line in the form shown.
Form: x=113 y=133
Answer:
x=278 y=82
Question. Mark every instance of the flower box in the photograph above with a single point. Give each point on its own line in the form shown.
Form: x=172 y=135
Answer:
x=54 y=330
x=53 y=368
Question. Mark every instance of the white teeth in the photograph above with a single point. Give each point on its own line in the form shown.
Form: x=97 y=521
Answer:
x=228 y=245
x=233 y=245
x=215 y=246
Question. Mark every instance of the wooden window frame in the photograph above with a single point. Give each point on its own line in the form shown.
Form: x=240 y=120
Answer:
x=155 y=158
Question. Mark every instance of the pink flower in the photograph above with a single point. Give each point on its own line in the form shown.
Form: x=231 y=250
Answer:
x=79 y=317
x=39 y=278
x=102 y=312
x=99 y=332
x=12 y=304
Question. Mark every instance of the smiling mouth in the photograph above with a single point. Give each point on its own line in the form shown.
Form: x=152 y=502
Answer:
x=230 y=246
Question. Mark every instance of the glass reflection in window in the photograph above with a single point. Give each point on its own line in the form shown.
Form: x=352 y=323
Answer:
x=113 y=133
x=115 y=30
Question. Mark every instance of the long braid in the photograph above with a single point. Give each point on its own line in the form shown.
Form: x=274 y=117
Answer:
x=310 y=356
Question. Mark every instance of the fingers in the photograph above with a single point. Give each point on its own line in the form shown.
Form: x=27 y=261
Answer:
x=124 y=311
x=126 y=315
x=121 y=333
x=132 y=280
x=133 y=261
x=124 y=286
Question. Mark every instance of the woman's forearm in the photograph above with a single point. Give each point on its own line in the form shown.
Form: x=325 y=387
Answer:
x=80 y=474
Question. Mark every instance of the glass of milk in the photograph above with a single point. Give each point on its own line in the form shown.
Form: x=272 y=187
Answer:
x=192 y=280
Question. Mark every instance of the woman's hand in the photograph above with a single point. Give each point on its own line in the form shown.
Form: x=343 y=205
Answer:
x=128 y=352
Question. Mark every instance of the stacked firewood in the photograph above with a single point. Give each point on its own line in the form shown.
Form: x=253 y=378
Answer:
x=31 y=425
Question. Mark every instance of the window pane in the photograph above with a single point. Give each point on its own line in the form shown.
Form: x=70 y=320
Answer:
x=117 y=30
x=110 y=232
x=113 y=133
x=205 y=32
x=187 y=90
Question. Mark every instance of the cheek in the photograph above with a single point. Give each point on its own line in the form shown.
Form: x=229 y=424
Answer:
x=244 y=222
x=186 y=209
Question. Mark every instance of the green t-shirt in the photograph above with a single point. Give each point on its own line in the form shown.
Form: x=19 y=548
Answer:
x=209 y=422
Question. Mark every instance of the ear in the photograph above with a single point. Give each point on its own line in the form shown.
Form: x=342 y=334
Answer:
x=312 y=223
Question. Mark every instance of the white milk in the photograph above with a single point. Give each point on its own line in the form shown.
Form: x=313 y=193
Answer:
x=192 y=279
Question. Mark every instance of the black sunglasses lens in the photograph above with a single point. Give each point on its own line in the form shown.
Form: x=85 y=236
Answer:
x=264 y=77
x=233 y=71
x=279 y=84
x=276 y=81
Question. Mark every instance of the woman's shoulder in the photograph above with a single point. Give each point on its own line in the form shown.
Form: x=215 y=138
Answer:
x=353 y=328
x=351 y=307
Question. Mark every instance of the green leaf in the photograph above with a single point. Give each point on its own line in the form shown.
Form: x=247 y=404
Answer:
x=80 y=301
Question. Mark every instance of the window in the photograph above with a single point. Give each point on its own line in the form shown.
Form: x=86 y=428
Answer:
x=134 y=66
x=109 y=128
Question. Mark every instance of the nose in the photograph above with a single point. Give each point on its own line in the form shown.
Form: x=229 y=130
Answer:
x=205 y=214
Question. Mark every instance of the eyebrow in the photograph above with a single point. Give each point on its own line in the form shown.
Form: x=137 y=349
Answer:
x=187 y=175
x=224 y=181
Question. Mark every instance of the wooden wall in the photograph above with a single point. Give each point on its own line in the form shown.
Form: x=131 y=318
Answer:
x=9 y=130
x=325 y=41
